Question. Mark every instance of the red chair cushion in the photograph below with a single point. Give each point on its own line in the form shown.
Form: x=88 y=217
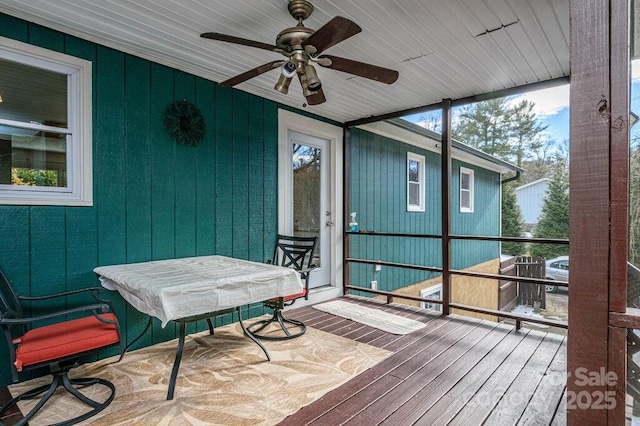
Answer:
x=65 y=339
x=294 y=296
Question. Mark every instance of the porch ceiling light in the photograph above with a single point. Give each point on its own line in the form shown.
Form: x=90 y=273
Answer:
x=304 y=82
x=282 y=85
x=313 y=82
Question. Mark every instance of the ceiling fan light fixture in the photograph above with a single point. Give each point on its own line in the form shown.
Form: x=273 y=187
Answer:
x=313 y=82
x=289 y=69
x=282 y=85
x=305 y=85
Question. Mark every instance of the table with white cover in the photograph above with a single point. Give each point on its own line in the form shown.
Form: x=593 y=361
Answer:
x=196 y=288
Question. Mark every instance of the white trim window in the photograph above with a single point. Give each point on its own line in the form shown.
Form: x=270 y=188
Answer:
x=45 y=127
x=415 y=182
x=433 y=292
x=466 y=190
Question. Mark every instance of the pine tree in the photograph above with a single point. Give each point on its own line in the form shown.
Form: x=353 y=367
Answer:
x=512 y=221
x=526 y=130
x=554 y=220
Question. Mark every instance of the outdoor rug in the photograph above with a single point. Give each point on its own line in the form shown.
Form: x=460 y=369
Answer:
x=372 y=317
x=224 y=379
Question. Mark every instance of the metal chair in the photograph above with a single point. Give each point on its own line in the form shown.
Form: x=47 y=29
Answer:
x=296 y=253
x=53 y=341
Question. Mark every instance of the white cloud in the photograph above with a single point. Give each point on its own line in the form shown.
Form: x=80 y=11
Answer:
x=635 y=70
x=548 y=101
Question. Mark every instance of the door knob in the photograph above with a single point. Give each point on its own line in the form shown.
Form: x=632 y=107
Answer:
x=329 y=223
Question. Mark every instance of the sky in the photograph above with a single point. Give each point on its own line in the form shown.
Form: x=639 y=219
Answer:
x=552 y=106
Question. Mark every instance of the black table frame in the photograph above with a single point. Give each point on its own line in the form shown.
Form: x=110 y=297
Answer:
x=183 y=328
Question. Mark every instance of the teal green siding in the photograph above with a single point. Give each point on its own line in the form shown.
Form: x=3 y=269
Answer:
x=153 y=199
x=378 y=193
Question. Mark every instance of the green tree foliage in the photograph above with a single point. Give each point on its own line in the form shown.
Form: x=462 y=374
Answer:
x=554 y=220
x=526 y=131
x=512 y=221
x=634 y=206
x=31 y=177
x=510 y=131
x=486 y=126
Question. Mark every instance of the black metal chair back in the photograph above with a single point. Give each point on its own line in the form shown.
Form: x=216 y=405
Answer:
x=10 y=308
x=291 y=252
x=294 y=252
x=48 y=339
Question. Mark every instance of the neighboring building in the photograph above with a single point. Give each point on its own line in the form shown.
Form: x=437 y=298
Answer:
x=530 y=197
x=395 y=187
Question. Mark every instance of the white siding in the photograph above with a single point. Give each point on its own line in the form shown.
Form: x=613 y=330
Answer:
x=530 y=198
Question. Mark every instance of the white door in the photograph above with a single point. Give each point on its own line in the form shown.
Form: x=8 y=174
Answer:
x=310 y=198
x=315 y=206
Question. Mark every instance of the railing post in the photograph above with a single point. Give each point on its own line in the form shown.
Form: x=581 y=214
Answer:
x=346 y=196
x=446 y=205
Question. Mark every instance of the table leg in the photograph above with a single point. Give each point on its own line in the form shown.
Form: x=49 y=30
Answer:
x=250 y=336
x=176 y=363
x=136 y=339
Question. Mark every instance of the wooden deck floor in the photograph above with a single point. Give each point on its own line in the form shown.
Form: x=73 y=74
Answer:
x=455 y=371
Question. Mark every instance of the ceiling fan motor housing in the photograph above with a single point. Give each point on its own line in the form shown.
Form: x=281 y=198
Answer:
x=292 y=38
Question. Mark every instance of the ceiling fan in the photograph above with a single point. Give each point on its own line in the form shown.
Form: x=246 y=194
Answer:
x=304 y=46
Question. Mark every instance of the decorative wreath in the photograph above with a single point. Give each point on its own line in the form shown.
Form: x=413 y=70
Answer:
x=184 y=123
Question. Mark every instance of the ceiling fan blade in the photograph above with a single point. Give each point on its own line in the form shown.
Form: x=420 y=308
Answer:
x=238 y=40
x=331 y=33
x=361 y=69
x=251 y=73
x=316 y=98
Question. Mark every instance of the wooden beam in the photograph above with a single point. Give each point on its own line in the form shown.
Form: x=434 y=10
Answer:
x=619 y=203
x=346 y=205
x=619 y=131
x=588 y=344
x=445 y=199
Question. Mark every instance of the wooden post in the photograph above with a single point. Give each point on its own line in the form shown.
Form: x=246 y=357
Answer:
x=599 y=126
x=619 y=196
x=346 y=197
x=446 y=205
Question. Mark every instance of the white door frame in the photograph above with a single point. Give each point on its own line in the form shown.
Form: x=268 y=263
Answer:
x=299 y=123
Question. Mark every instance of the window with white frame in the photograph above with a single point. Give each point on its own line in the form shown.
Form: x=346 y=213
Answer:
x=45 y=127
x=415 y=182
x=466 y=190
x=433 y=292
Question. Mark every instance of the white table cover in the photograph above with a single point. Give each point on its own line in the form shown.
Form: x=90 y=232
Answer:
x=179 y=288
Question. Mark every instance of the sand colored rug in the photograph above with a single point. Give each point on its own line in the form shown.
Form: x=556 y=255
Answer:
x=223 y=380
x=376 y=318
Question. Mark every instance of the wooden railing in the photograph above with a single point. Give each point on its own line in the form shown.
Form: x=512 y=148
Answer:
x=390 y=296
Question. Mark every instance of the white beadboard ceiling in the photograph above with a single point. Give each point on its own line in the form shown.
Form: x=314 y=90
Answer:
x=441 y=48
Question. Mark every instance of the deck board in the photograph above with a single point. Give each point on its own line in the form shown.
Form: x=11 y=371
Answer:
x=549 y=394
x=430 y=395
x=419 y=372
x=457 y=370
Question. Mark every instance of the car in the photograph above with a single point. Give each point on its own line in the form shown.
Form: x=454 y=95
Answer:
x=557 y=269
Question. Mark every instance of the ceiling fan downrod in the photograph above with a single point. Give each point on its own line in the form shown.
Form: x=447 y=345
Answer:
x=300 y=10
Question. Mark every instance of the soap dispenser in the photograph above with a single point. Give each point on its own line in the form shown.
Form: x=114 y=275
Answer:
x=353 y=225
